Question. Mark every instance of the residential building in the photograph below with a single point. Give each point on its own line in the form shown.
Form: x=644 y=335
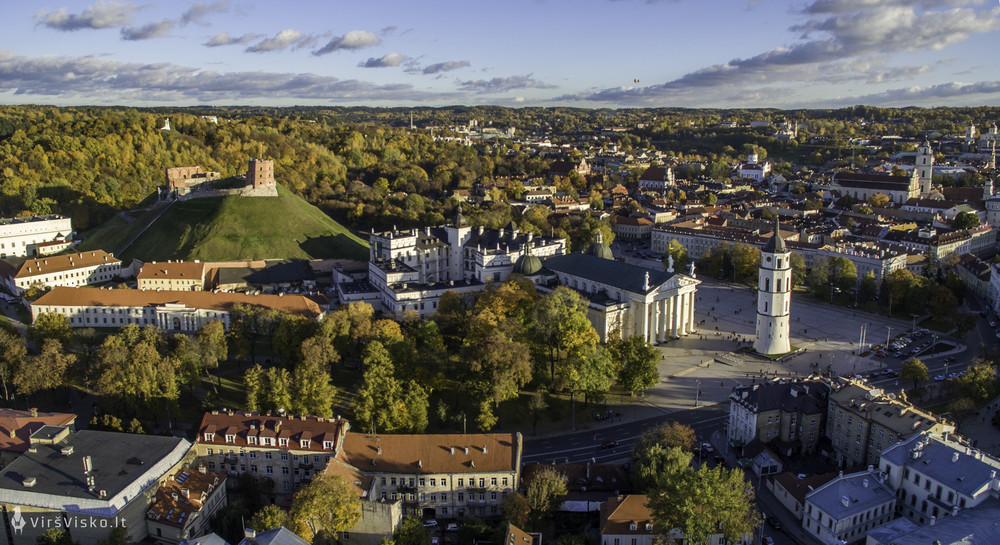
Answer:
x=168 y=310
x=89 y=481
x=847 y=507
x=627 y=520
x=970 y=526
x=379 y=517
x=277 y=536
x=862 y=421
x=993 y=290
x=517 y=536
x=184 y=505
x=975 y=273
x=786 y=414
x=633 y=228
x=17 y=426
x=936 y=475
x=21 y=237
x=438 y=476
x=172 y=276
x=79 y=269
x=790 y=489
x=290 y=450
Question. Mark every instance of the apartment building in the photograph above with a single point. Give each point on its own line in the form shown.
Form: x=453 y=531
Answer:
x=70 y=270
x=846 y=508
x=183 y=311
x=444 y=475
x=172 y=276
x=937 y=475
x=21 y=237
x=184 y=505
x=287 y=449
x=786 y=414
x=862 y=421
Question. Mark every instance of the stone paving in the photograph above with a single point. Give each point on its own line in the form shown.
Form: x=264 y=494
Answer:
x=706 y=365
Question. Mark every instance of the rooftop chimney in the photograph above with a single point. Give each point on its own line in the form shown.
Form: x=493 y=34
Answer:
x=249 y=533
x=34 y=412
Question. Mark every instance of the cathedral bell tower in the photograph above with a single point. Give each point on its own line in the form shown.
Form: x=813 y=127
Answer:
x=774 y=294
x=925 y=168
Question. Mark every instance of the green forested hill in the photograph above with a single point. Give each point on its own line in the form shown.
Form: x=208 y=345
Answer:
x=230 y=228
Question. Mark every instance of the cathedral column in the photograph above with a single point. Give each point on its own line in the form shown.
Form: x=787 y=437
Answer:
x=682 y=315
x=663 y=320
x=673 y=316
x=657 y=323
x=642 y=327
x=691 y=311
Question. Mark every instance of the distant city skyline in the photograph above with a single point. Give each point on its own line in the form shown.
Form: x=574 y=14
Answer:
x=584 y=53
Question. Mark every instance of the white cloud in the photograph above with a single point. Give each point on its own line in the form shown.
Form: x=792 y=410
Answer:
x=156 y=29
x=497 y=85
x=199 y=11
x=281 y=41
x=224 y=38
x=103 y=14
x=355 y=39
x=447 y=66
x=390 y=59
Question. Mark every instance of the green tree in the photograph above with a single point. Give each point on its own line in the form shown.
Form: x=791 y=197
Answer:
x=13 y=353
x=799 y=271
x=637 y=363
x=329 y=504
x=118 y=536
x=254 y=387
x=979 y=383
x=710 y=199
x=377 y=403
x=411 y=532
x=516 y=509
x=965 y=220
x=44 y=371
x=942 y=303
x=212 y=345
x=55 y=536
x=668 y=435
x=680 y=254
x=268 y=518
x=311 y=387
x=49 y=325
x=915 y=370
x=878 y=200
x=546 y=492
x=563 y=328
x=654 y=462
x=704 y=502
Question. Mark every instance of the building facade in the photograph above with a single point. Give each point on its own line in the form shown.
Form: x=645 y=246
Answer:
x=787 y=414
x=185 y=311
x=184 y=505
x=21 y=237
x=71 y=270
x=846 y=508
x=172 y=276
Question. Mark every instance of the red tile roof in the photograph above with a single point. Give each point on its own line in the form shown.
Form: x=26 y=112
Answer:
x=440 y=453
x=179 y=498
x=240 y=425
x=16 y=427
x=176 y=270
x=67 y=262
x=620 y=512
x=96 y=297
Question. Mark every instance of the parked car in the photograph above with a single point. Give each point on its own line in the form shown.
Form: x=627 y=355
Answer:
x=938 y=378
x=451 y=527
x=774 y=522
x=880 y=354
x=707 y=447
x=430 y=523
x=767 y=540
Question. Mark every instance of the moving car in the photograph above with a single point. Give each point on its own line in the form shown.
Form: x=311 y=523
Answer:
x=609 y=444
x=707 y=447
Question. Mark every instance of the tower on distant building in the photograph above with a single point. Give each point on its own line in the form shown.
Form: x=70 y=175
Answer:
x=774 y=295
x=925 y=168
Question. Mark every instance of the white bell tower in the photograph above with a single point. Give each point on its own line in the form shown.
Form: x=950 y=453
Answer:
x=925 y=167
x=774 y=295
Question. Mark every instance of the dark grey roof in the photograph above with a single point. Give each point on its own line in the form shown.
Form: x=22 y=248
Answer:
x=775 y=244
x=974 y=526
x=605 y=271
x=810 y=397
x=276 y=271
x=967 y=473
x=207 y=539
x=120 y=460
x=527 y=265
x=852 y=490
x=278 y=536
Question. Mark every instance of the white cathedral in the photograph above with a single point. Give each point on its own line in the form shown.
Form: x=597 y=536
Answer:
x=409 y=271
x=774 y=297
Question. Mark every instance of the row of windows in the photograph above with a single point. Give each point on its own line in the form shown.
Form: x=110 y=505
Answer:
x=422 y=481
x=269 y=456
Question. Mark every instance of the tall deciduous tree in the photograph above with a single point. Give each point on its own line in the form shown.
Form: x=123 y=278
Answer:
x=411 y=532
x=49 y=325
x=313 y=391
x=212 y=345
x=44 y=371
x=13 y=353
x=914 y=370
x=546 y=492
x=329 y=504
x=637 y=363
x=563 y=327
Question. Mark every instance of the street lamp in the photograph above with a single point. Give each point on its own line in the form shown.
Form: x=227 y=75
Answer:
x=697 y=391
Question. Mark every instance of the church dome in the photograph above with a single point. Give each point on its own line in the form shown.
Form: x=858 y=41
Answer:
x=599 y=248
x=527 y=265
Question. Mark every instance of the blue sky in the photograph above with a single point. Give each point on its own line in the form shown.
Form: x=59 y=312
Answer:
x=586 y=53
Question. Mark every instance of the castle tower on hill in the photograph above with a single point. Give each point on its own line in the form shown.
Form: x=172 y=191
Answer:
x=260 y=173
x=774 y=294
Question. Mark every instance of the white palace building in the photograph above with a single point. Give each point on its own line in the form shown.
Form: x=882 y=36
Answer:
x=410 y=270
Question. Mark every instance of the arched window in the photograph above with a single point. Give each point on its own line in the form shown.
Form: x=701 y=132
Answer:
x=767 y=284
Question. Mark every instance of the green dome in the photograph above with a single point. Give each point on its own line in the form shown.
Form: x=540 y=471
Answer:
x=527 y=265
x=599 y=248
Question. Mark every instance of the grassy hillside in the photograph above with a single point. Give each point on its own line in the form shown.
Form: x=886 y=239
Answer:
x=227 y=228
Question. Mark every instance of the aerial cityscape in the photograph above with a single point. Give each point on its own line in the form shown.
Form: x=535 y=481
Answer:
x=616 y=272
